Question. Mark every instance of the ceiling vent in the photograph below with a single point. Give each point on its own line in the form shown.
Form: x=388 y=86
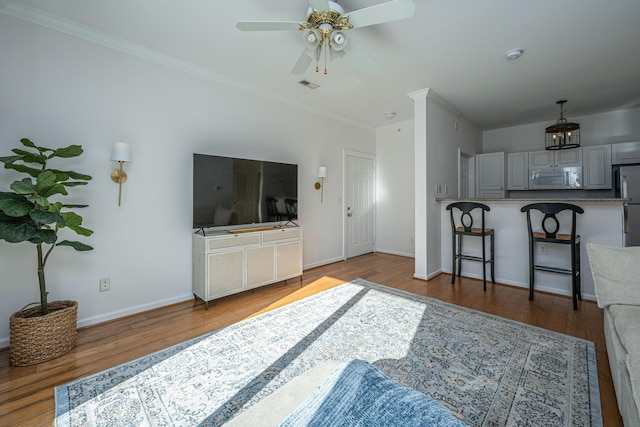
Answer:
x=308 y=84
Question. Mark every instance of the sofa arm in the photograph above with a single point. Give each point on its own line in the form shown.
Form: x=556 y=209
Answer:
x=616 y=274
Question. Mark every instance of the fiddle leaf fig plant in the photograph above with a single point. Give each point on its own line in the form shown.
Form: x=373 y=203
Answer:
x=30 y=212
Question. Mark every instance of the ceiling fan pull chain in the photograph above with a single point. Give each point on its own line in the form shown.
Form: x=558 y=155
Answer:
x=326 y=47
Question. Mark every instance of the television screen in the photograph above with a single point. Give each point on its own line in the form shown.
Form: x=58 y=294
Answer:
x=231 y=191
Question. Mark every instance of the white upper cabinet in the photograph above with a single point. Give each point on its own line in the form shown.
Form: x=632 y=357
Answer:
x=490 y=175
x=596 y=170
x=518 y=171
x=555 y=158
x=625 y=153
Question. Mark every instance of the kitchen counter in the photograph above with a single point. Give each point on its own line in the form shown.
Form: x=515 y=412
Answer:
x=601 y=223
x=535 y=200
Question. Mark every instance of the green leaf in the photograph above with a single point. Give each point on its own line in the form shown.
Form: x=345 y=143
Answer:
x=75 y=206
x=27 y=143
x=29 y=157
x=66 y=152
x=23 y=187
x=75 y=245
x=55 y=207
x=65 y=175
x=54 y=189
x=73 y=183
x=10 y=159
x=38 y=200
x=16 y=232
x=15 y=205
x=24 y=169
x=46 y=179
x=74 y=221
x=44 y=236
x=45 y=217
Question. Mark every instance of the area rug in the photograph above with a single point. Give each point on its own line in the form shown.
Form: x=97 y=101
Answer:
x=486 y=370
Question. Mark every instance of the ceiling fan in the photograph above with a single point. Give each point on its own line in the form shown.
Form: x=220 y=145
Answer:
x=326 y=27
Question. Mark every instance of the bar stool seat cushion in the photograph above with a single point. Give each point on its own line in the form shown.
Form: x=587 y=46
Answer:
x=474 y=230
x=559 y=236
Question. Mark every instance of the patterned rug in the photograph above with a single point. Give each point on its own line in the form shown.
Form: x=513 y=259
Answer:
x=486 y=370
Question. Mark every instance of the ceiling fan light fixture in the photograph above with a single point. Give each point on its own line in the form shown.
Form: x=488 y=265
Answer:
x=311 y=38
x=563 y=135
x=338 y=40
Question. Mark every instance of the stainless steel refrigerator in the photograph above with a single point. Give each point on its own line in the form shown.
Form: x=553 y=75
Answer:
x=627 y=181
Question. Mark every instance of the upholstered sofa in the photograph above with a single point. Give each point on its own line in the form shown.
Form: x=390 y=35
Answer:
x=616 y=274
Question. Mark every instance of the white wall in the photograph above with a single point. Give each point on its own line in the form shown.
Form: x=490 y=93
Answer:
x=395 y=193
x=597 y=129
x=439 y=132
x=58 y=90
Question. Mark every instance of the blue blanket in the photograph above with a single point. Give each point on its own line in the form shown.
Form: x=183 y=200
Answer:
x=359 y=394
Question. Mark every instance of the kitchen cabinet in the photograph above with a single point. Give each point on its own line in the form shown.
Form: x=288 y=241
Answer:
x=625 y=153
x=596 y=169
x=517 y=171
x=555 y=158
x=490 y=174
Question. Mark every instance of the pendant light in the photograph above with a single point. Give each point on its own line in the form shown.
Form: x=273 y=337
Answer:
x=563 y=134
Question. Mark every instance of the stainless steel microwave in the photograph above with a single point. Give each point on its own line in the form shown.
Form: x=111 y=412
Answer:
x=566 y=178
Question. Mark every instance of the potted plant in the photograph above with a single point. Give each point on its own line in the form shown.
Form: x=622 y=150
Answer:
x=30 y=212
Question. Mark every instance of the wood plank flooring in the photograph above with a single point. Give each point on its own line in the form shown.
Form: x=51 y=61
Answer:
x=26 y=393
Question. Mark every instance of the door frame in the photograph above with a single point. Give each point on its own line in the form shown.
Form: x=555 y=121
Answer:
x=469 y=159
x=345 y=181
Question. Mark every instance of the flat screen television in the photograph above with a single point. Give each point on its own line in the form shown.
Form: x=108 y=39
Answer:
x=230 y=191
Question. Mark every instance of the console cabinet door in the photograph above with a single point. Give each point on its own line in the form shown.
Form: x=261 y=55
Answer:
x=226 y=273
x=261 y=266
x=289 y=260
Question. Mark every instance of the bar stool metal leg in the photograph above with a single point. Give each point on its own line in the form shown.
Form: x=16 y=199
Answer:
x=453 y=258
x=493 y=275
x=532 y=250
x=484 y=264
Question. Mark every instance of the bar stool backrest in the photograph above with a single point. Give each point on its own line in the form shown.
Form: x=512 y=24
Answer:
x=550 y=212
x=466 y=219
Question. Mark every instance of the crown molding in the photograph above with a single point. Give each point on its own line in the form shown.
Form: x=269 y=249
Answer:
x=75 y=29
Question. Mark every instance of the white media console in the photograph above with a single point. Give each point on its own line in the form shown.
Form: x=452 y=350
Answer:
x=229 y=262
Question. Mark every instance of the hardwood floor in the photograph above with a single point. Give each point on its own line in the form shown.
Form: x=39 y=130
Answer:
x=26 y=393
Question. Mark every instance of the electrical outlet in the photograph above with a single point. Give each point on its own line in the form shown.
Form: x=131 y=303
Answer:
x=105 y=284
x=542 y=249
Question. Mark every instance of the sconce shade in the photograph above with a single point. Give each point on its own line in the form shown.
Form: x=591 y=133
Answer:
x=120 y=152
x=322 y=172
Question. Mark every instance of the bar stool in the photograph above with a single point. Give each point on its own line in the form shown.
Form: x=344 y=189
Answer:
x=549 y=234
x=465 y=228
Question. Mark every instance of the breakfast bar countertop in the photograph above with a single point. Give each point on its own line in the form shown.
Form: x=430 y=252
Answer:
x=531 y=199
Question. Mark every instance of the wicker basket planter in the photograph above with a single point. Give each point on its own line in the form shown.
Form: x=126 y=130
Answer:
x=40 y=338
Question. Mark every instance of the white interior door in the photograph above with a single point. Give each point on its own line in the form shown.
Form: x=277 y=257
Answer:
x=360 y=206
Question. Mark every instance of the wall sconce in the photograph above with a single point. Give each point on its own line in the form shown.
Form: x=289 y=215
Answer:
x=322 y=174
x=120 y=152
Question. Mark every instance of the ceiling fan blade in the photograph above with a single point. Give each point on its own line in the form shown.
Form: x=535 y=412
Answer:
x=394 y=10
x=319 y=4
x=268 y=25
x=305 y=59
x=360 y=57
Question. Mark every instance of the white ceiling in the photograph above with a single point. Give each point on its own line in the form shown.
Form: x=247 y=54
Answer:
x=585 y=51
